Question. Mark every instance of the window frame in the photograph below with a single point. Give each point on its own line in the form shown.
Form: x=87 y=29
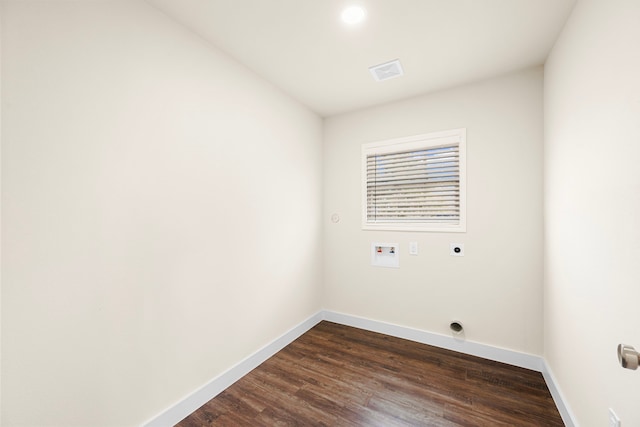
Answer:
x=411 y=143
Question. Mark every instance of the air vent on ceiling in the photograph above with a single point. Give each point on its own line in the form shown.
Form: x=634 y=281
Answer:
x=386 y=71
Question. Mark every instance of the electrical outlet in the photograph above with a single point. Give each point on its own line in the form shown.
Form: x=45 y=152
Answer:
x=456 y=249
x=413 y=248
x=614 y=421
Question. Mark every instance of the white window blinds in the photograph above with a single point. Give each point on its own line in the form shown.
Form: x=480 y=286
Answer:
x=415 y=183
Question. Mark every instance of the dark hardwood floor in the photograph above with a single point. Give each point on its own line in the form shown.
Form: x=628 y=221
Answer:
x=336 y=375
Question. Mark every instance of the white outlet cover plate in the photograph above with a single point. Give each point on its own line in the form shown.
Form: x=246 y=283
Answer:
x=614 y=421
x=453 y=251
x=413 y=248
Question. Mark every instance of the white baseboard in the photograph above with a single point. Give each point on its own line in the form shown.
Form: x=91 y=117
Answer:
x=511 y=357
x=190 y=403
x=217 y=385
x=558 y=397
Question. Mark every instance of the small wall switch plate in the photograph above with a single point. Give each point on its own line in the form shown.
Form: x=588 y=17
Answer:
x=457 y=249
x=413 y=248
x=614 y=421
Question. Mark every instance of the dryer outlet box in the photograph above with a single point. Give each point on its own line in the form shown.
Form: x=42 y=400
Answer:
x=456 y=249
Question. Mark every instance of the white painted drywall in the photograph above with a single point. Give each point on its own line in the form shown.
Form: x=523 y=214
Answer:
x=0 y=210
x=592 y=209
x=496 y=288
x=161 y=213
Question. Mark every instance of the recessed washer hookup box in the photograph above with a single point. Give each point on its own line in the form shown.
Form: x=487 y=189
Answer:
x=385 y=255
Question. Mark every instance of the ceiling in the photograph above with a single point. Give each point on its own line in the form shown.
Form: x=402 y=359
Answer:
x=304 y=48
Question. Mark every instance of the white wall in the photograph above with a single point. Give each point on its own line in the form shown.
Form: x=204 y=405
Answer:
x=592 y=205
x=0 y=210
x=496 y=289
x=161 y=213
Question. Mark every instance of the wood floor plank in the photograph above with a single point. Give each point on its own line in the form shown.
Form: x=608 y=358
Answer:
x=335 y=375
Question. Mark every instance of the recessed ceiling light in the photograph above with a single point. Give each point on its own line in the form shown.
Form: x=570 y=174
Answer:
x=353 y=15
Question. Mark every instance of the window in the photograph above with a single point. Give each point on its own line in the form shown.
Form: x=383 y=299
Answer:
x=416 y=183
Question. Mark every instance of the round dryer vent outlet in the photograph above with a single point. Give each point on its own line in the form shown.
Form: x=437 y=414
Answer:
x=456 y=327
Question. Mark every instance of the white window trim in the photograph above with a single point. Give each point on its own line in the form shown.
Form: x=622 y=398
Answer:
x=430 y=140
